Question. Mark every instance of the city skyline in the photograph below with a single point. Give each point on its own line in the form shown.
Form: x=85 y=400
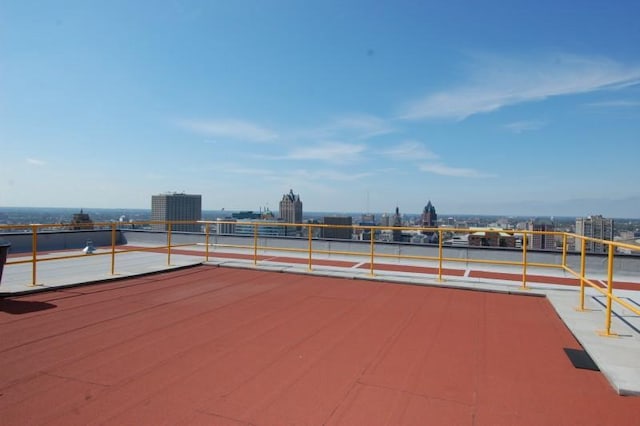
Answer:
x=484 y=109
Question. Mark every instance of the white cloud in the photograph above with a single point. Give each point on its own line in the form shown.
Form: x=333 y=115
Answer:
x=346 y=127
x=229 y=128
x=154 y=176
x=364 y=126
x=335 y=152
x=327 y=174
x=35 y=162
x=524 y=126
x=248 y=171
x=621 y=103
x=496 y=82
x=444 y=170
x=410 y=150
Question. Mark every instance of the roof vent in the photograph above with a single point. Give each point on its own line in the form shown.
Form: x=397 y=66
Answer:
x=89 y=248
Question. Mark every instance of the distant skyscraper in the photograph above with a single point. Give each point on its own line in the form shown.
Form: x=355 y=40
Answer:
x=397 y=222
x=291 y=212
x=343 y=232
x=177 y=207
x=291 y=208
x=594 y=227
x=429 y=217
x=541 y=241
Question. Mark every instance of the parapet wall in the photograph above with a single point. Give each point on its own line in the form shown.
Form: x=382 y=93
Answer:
x=60 y=240
x=627 y=265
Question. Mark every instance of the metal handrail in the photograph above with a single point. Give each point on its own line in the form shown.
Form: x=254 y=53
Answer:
x=371 y=254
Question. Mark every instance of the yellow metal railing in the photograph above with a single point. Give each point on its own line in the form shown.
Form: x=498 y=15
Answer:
x=255 y=247
x=608 y=292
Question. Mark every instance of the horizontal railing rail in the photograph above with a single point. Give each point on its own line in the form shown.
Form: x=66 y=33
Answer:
x=260 y=233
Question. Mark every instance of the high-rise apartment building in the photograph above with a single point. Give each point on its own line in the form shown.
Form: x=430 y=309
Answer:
x=541 y=241
x=594 y=227
x=176 y=207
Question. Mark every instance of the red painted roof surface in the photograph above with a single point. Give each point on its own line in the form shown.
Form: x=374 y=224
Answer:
x=211 y=345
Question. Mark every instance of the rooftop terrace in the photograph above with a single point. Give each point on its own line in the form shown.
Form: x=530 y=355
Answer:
x=215 y=345
x=183 y=329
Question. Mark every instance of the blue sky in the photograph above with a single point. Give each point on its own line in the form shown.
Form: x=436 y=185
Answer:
x=528 y=108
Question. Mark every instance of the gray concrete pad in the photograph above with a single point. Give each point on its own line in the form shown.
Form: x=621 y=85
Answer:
x=618 y=356
x=17 y=279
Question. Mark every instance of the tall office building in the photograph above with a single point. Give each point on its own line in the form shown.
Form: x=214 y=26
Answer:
x=291 y=212
x=343 y=232
x=541 y=241
x=176 y=207
x=429 y=218
x=595 y=227
x=397 y=222
x=291 y=208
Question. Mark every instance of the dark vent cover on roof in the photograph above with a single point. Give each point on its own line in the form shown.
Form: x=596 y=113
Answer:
x=581 y=359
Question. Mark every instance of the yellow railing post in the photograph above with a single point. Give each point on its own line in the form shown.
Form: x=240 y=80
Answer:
x=169 y=244
x=34 y=254
x=583 y=270
x=113 y=248
x=607 y=330
x=310 y=232
x=206 y=242
x=440 y=255
x=255 y=244
x=372 y=251
x=564 y=250
x=524 y=261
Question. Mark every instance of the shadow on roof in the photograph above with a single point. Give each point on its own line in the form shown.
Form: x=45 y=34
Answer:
x=19 y=307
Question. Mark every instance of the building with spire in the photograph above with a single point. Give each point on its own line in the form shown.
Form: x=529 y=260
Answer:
x=429 y=218
x=81 y=221
x=291 y=211
x=291 y=208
